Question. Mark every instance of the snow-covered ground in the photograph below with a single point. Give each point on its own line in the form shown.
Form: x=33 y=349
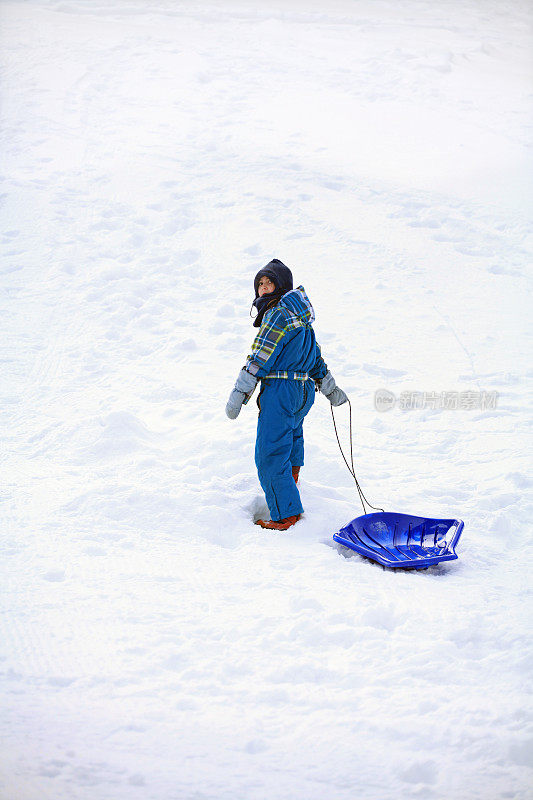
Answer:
x=155 y=644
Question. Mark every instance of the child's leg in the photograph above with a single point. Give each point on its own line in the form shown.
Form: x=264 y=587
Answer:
x=297 y=451
x=275 y=426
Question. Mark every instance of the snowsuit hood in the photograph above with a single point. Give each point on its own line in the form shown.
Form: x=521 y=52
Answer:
x=298 y=303
x=286 y=343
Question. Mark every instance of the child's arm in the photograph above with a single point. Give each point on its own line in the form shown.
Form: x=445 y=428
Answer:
x=320 y=367
x=241 y=393
x=266 y=342
x=264 y=346
x=326 y=382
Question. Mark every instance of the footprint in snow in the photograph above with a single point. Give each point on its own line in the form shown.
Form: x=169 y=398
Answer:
x=54 y=576
x=60 y=681
x=226 y=310
x=95 y=551
x=255 y=746
x=384 y=371
x=380 y=617
x=420 y=772
x=136 y=780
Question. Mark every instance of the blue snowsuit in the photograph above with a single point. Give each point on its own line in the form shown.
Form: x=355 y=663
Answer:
x=286 y=358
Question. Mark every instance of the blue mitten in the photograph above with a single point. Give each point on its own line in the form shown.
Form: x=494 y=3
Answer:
x=333 y=392
x=244 y=385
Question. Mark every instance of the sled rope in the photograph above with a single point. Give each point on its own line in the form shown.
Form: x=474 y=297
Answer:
x=352 y=469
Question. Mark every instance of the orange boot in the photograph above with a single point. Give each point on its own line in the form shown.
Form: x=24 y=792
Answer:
x=295 y=473
x=281 y=525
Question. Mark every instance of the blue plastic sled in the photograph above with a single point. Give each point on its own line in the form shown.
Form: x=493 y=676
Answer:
x=400 y=540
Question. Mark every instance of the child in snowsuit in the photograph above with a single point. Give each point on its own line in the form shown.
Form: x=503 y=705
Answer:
x=286 y=359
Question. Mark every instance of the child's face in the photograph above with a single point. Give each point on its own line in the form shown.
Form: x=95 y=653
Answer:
x=266 y=286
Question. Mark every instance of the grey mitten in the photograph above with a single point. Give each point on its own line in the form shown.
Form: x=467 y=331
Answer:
x=244 y=385
x=333 y=392
x=234 y=404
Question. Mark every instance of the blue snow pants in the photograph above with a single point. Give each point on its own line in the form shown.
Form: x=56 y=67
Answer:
x=283 y=404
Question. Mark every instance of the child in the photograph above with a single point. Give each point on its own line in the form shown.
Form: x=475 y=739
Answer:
x=286 y=359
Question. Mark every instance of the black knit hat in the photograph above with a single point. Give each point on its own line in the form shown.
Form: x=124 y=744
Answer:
x=279 y=274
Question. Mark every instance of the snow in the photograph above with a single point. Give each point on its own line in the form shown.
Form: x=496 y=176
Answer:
x=155 y=644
